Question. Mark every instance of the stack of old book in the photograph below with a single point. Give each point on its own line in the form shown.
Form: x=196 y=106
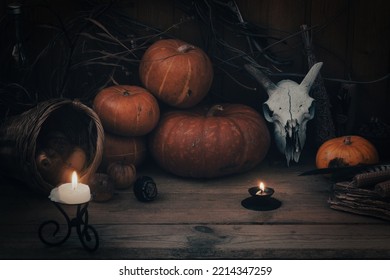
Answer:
x=366 y=194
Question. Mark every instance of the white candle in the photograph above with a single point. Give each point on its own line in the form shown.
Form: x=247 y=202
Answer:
x=71 y=193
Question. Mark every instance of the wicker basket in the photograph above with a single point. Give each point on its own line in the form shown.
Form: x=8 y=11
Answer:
x=20 y=138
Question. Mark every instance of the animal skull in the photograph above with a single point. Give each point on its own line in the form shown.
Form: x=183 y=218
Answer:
x=289 y=107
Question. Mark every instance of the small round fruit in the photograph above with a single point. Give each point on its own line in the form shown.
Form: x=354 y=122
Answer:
x=77 y=159
x=122 y=175
x=102 y=187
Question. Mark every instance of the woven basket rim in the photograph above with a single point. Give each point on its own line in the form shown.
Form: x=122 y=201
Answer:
x=48 y=108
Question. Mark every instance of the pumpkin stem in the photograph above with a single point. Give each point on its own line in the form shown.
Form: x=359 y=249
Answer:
x=126 y=93
x=185 y=48
x=347 y=140
x=211 y=112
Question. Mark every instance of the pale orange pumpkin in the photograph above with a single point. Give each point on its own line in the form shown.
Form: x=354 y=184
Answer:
x=51 y=166
x=176 y=72
x=346 y=151
x=77 y=159
x=55 y=170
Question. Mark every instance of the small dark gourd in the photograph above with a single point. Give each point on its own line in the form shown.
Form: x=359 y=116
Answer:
x=102 y=187
x=122 y=175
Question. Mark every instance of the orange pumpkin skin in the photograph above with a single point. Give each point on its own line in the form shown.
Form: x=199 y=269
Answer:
x=127 y=110
x=346 y=151
x=177 y=73
x=123 y=175
x=127 y=150
x=201 y=143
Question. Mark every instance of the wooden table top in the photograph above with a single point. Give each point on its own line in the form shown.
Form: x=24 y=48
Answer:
x=201 y=219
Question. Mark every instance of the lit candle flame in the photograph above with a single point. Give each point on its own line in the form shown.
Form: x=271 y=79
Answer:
x=261 y=186
x=74 y=180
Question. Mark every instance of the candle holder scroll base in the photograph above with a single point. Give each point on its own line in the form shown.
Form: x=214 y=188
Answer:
x=87 y=234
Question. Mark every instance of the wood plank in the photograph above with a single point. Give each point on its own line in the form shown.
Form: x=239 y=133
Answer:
x=176 y=193
x=304 y=200
x=201 y=219
x=211 y=241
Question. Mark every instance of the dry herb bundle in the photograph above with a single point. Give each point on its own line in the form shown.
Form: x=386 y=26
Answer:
x=94 y=48
x=101 y=45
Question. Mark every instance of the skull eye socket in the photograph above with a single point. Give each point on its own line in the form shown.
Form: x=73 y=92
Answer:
x=311 y=110
x=268 y=113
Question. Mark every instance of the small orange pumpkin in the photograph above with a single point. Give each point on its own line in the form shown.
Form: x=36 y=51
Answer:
x=346 y=151
x=122 y=175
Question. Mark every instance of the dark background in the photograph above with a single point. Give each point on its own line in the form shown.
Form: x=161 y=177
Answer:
x=75 y=48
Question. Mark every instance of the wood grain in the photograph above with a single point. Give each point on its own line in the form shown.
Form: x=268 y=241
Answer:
x=201 y=219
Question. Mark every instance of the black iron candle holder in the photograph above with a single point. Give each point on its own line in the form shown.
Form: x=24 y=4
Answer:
x=261 y=200
x=87 y=234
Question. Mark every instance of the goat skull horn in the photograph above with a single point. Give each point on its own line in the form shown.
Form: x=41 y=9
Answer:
x=289 y=107
x=310 y=77
x=262 y=79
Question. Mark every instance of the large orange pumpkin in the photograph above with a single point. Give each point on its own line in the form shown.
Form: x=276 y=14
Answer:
x=127 y=110
x=127 y=150
x=346 y=151
x=205 y=143
x=176 y=72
